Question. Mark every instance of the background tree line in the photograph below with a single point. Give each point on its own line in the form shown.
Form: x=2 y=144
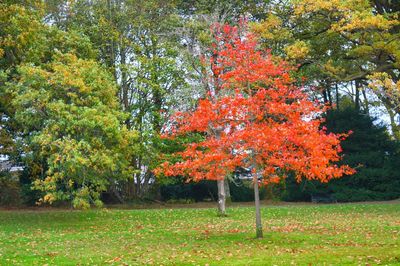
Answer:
x=87 y=86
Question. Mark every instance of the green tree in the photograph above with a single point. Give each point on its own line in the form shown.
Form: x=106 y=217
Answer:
x=340 y=44
x=137 y=42
x=370 y=150
x=60 y=113
x=69 y=110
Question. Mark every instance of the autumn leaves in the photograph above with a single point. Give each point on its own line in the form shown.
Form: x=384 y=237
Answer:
x=256 y=117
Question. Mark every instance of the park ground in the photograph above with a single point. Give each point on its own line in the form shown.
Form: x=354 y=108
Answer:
x=294 y=234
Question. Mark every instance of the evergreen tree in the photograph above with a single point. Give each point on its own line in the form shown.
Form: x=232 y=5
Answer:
x=369 y=150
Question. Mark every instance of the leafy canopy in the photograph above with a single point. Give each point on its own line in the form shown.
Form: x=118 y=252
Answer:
x=69 y=110
x=257 y=119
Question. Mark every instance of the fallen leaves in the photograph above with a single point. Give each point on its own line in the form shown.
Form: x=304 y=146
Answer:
x=314 y=234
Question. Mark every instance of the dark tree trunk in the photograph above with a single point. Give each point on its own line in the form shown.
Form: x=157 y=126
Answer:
x=329 y=94
x=337 y=96
x=366 y=102
x=357 y=95
x=325 y=96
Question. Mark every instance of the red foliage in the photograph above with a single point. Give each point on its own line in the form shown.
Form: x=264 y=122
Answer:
x=257 y=118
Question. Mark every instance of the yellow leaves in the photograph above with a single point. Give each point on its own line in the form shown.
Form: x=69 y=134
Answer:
x=264 y=27
x=383 y=80
x=69 y=75
x=270 y=28
x=364 y=19
x=297 y=50
x=306 y=6
x=49 y=198
x=204 y=37
x=81 y=160
x=29 y=71
x=347 y=15
x=21 y=28
x=384 y=85
x=80 y=203
x=335 y=71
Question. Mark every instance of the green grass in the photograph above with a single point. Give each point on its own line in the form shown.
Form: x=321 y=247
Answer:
x=340 y=234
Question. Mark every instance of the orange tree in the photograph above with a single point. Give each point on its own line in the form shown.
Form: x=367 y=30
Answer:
x=259 y=119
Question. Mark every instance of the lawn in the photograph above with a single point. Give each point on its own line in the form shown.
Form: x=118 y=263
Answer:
x=354 y=234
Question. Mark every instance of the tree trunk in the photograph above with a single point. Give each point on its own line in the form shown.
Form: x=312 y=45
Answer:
x=329 y=94
x=357 y=96
x=116 y=193
x=259 y=233
x=325 y=96
x=221 y=197
x=366 y=102
x=337 y=96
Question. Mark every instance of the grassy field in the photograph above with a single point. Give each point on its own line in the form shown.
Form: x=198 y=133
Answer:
x=339 y=234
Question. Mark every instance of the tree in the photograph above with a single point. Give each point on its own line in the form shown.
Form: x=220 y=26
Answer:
x=26 y=40
x=198 y=17
x=69 y=112
x=340 y=43
x=259 y=119
x=136 y=41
